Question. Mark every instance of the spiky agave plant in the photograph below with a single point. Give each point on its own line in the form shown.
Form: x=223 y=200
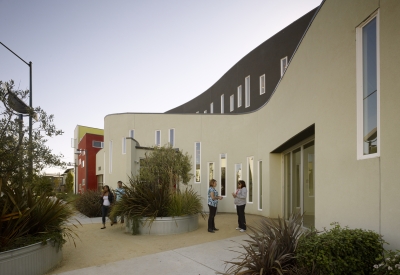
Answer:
x=270 y=249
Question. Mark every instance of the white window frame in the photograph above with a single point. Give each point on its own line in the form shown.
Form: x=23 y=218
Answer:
x=239 y=96
x=169 y=137
x=79 y=162
x=208 y=174
x=195 y=162
x=259 y=163
x=262 y=84
x=284 y=67
x=247 y=91
x=359 y=66
x=248 y=181
x=131 y=133
x=83 y=163
x=155 y=141
x=110 y=150
x=226 y=174
x=123 y=146
x=211 y=107
x=232 y=103
x=222 y=103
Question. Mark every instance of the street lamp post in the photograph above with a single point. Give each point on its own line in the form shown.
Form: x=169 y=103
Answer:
x=30 y=168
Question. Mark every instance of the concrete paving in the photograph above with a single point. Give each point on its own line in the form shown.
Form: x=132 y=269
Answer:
x=202 y=259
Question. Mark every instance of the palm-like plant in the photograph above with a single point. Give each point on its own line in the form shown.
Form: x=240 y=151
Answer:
x=271 y=248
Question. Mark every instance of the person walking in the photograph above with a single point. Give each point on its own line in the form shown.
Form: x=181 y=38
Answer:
x=212 y=205
x=118 y=194
x=107 y=199
x=240 y=202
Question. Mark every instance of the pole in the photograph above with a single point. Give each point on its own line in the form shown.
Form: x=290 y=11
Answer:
x=30 y=152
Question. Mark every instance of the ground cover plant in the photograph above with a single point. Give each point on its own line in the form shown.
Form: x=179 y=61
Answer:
x=89 y=203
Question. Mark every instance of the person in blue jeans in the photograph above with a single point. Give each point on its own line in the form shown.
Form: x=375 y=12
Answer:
x=240 y=202
x=118 y=194
x=212 y=205
x=106 y=199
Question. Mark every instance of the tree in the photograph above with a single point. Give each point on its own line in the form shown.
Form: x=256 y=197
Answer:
x=69 y=182
x=14 y=140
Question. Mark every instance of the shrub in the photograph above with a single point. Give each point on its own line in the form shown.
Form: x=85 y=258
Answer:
x=183 y=203
x=339 y=250
x=271 y=248
x=388 y=263
x=89 y=203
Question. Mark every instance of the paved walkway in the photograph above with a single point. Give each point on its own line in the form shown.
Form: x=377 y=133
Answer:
x=201 y=259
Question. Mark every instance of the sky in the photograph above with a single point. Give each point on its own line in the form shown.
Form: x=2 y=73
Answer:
x=94 y=58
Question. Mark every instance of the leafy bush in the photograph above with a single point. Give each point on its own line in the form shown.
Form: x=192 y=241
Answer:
x=89 y=203
x=339 y=251
x=388 y=263
x=271 y=248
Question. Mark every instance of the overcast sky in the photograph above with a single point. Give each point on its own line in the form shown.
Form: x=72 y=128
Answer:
x=94 y=58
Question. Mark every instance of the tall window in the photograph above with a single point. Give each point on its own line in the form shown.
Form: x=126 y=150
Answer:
x=210 y=172
x=222 y=104
x=260 y=185
x=110 y=157
x=222 y=164
x=250 y=177
x=239 y=96
x=247 y=92
x=197 y=148
x=158 y=137
x=238 y=173
x=232 y=103
x=211 y=107
x=262 y=84
x=283 y=65
x=368 y=95
x=131 y=133
x=171 y=138
x=123 y=145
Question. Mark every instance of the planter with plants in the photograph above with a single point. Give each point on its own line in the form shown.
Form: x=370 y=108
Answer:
x=153 y=202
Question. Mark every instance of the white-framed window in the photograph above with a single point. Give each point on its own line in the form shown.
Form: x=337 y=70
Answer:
x=211 y=173
x=171 y=137
x=368 y=88
x=222 y=104
x=283 y=65
x=158 y=137
x=239 y=96
x=262 y=84
x=205 y=111
x=79 y=162
x=110 y=150
x=238 y=174
x=97 y=144
x=232 y=103
x=247 y=91
x=83 y=163
x=131 y=133
x=223 y=176
x=260 y=178
x=211 y=107
x=123 y=145
x=197 y=153
x=250 y=177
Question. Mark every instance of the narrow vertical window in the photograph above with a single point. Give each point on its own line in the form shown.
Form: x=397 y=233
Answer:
x=171 y=138
x=260 y=175
x=262 y=84
x=250 y=162
x=211 y=107
x=239 y=96
x=247 y=92
x=222 y=104
x=197 y=148
x=283 y=65
x=158 y=138
x=238 y=173
x=123 y=145
x=368 y=88
x=222 y=164
x=110 y=157
x=232 y=103
x=131 y=133
x=83 y=163
x=210 y=172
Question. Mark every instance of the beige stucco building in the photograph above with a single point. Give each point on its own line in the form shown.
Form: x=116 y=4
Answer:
x=326 y=142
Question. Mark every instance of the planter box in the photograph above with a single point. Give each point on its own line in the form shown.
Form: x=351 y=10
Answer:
x=35 y=259
x=167 y=225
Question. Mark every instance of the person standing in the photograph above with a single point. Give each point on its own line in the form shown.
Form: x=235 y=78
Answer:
x=240 y=202
x=212 y=205
x=119 y=192
x=107 y=199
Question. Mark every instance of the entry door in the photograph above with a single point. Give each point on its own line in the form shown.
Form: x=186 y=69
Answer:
x=299 y=183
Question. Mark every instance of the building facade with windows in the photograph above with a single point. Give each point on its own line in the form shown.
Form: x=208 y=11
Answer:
x=326 y=141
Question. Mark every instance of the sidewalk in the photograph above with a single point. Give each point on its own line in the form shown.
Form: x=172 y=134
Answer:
x=201 y=259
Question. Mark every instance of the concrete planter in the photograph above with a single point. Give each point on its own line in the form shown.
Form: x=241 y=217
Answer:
x=35 y=259
x=166 y=225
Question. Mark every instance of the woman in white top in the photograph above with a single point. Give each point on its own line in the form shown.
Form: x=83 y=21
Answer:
x=107 y=199
x=240 y=201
